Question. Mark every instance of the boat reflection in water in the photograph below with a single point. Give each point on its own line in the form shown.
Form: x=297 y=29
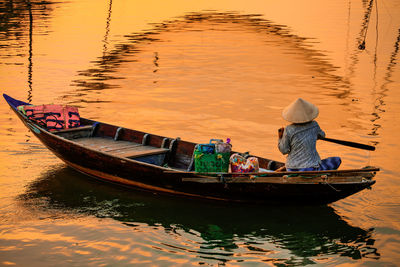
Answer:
x=234 y=230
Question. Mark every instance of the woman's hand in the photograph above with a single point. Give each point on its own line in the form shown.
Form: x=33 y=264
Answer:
x=280 y=132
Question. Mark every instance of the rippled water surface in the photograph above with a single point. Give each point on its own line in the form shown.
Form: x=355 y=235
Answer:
x=199 y=70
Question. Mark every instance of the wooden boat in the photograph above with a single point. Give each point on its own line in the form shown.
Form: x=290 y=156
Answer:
x=164 y=165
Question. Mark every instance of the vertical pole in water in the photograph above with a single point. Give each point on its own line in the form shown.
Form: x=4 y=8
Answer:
x=105 y=41
x=30 y=65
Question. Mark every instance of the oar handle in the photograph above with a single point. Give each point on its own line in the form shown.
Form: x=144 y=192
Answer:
x=348 y=143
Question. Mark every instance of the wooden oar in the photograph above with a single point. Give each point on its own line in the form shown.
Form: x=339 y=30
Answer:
x=348 y=143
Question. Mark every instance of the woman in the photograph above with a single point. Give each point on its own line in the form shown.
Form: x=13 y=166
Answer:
x=298 y=140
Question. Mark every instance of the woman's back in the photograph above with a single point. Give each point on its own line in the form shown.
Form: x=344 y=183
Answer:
x=299 y=142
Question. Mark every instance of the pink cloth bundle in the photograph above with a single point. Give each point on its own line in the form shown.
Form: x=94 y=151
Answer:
x=53 y=117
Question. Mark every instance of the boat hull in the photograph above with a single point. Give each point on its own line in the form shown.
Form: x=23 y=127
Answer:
x=272 y=188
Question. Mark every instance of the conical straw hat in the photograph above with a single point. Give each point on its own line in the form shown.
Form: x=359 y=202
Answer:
x=300 y=111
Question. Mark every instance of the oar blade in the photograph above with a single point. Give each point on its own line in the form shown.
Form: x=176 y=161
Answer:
x=348 y=143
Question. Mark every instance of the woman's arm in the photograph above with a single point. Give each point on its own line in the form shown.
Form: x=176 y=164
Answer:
x=284 y=141
x=321 y=134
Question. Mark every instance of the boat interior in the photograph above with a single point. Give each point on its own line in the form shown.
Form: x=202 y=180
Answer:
x=131 y=144
x=126 y=143
x=172 y=153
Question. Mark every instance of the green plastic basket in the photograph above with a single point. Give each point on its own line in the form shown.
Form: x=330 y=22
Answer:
x=217 y=162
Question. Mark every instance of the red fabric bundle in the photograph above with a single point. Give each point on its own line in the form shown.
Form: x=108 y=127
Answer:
x=54 y=117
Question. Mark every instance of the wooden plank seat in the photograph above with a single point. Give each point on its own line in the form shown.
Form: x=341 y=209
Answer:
x=141 y=153
x=106 y=144
x=86 y=127
x=119 y=148
x=75 y=133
